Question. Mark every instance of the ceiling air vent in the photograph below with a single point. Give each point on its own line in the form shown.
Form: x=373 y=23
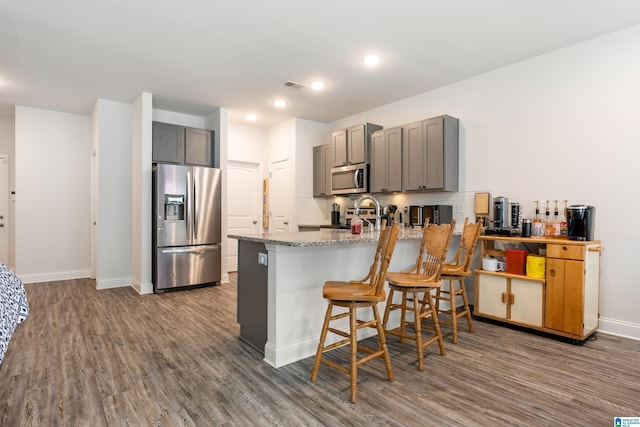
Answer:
x=294 y=85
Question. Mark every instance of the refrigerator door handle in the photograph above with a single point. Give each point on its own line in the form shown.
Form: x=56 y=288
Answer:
x=189 y=205
x=195 y=209
x=191 y=249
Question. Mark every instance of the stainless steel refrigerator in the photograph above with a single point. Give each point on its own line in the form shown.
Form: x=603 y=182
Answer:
x=186 y=226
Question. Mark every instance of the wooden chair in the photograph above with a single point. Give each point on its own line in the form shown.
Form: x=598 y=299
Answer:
x=420 y=281
x=455 y=272
x=357 y=294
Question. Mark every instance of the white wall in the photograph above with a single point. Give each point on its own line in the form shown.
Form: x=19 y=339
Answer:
x=559 y=126
x=308 y=210
x=142 y=125
x=113 y=130
x=52 y=195
x=247 y=143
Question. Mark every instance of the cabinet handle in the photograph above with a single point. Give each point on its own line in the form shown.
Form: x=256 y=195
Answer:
x=512 y=299
x=596 y=249
x=552 y=272
x=504 y=297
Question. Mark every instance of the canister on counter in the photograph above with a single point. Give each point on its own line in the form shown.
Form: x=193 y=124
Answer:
x=526 y=227
x=537 y=228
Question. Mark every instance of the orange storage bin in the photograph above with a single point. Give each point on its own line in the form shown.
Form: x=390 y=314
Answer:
x=516 y=260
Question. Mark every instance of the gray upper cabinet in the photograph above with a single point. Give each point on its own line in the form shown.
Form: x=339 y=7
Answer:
x=322 y=161
x=351 y=146
x=430 y=155
x=386 y=161
x=182 y=145
x=339 y=142
x=168 y=143
x=198 y=147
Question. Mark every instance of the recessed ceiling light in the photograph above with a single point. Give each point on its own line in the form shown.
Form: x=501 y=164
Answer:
x=252 y=117
x=371 y=60
x=280 y=103
x=317 y=85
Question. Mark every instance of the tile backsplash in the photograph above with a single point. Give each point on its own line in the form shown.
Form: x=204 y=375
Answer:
x=317 y=211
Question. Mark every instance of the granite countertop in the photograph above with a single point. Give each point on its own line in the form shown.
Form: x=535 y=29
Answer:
x=322 y=237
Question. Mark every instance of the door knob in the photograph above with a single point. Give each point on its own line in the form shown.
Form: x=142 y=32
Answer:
x=286 y=223
x=255 y=222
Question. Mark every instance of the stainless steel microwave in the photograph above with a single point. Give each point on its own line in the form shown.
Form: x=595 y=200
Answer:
x=350 y=179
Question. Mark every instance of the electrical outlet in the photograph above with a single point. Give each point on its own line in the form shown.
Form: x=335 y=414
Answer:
x=460 y=208
x=262 y=258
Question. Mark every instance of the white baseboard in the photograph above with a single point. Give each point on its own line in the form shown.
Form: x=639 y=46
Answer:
x=113 y=283
x=52 y=277
x=143 y=288
x=619 y=328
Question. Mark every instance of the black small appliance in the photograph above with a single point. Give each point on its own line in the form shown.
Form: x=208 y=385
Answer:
x=581 y=222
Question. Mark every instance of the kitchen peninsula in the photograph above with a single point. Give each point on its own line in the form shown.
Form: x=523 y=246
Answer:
x=280 y=279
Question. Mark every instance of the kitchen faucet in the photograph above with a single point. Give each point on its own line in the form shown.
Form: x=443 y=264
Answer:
x=362 y=198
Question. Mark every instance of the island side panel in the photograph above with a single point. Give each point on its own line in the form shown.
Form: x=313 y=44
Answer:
x=296 y=306
x=252 y=294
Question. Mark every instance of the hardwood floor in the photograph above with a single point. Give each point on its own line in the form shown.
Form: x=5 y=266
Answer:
x=115 y=358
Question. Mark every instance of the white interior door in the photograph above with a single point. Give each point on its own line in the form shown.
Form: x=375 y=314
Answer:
x=280 y=194
x=4 y=209
x=244 y=195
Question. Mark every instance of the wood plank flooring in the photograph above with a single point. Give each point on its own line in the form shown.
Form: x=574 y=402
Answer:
x=115 y=358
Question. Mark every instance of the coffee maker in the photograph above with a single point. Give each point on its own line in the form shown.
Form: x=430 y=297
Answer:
x=500 y=212
x=581 y=222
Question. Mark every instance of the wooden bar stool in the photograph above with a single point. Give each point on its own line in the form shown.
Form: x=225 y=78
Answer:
x=353 y=295
x=420 y=281
x=455 y=272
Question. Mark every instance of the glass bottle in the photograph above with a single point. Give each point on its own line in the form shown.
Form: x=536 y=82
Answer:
x=563 y=221
x=548 y=224
x=556 y=220
x=537 y=228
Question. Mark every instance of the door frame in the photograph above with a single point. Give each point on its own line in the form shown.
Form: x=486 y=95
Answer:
x=6 y=221
x=259 y=166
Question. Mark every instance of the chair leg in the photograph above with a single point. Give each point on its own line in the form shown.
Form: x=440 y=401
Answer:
x=436 y=324
x=323 y=337
x=382 y=342
x=465 y=300
x=387 y=310
x=403 y=316
x=454 y=315
x=353 y=365
x=418 y=327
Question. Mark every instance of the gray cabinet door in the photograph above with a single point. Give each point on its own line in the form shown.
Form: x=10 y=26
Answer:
x=198 y=147
x=386 y=161
x=433 y=153
x=412 y=157
x=339 y=142
x=357 y=145
x=393 y=139
x=441 y=149
x=322 y=163
x=328 y=156
x=318 y=171
x=167 y=143
x=378 y=170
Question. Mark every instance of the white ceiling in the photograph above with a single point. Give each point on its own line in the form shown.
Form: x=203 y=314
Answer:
x=195 y=55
